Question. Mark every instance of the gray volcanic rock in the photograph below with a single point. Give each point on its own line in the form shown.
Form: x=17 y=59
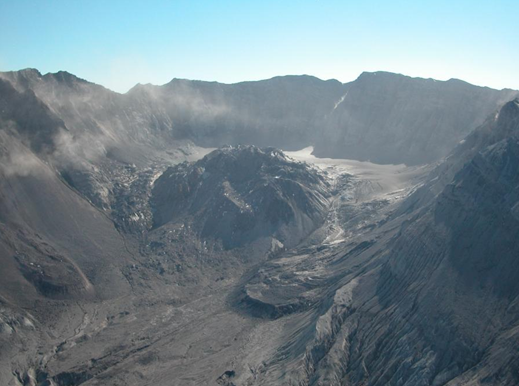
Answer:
x=241 y=194
x=121 y=266
x=284 y=112
x=458 y=261
x=29 y=117
x=390 y=118
x=439 y=306
x=383 y=117
x=51 y=234
x=498 y=126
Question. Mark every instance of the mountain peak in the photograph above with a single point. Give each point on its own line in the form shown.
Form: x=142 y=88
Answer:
x=65 y=77
x=139 y=88
x=511 y=107
x=372 y=74
x=23 y=77
x=30 y=72
x=509 y=113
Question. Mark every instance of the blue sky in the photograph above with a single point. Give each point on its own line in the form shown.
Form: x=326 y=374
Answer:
x=120 y=43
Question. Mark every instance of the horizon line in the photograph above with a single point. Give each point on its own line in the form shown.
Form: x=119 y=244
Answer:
x=255 y=80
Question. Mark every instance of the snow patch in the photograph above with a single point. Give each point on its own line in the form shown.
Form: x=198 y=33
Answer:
x=340 y=101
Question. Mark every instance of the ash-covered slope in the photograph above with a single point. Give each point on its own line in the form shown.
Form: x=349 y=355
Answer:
x=56 y=250
x=422 y=292
x=458 y=261
x=499 y=126
x=23 y=115
x=382 y=117
x=283 y=112
x=439 y=305
x=391 y=118
x=45 y=222
x=110 y=138
x=243 y=194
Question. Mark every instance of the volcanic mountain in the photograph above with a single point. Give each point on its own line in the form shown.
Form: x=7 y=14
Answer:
x=136 y=249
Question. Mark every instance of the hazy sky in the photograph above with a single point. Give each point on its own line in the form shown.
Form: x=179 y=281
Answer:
x=121 y=43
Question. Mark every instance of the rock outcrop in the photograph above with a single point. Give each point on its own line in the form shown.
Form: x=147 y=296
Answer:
x=242 y=194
